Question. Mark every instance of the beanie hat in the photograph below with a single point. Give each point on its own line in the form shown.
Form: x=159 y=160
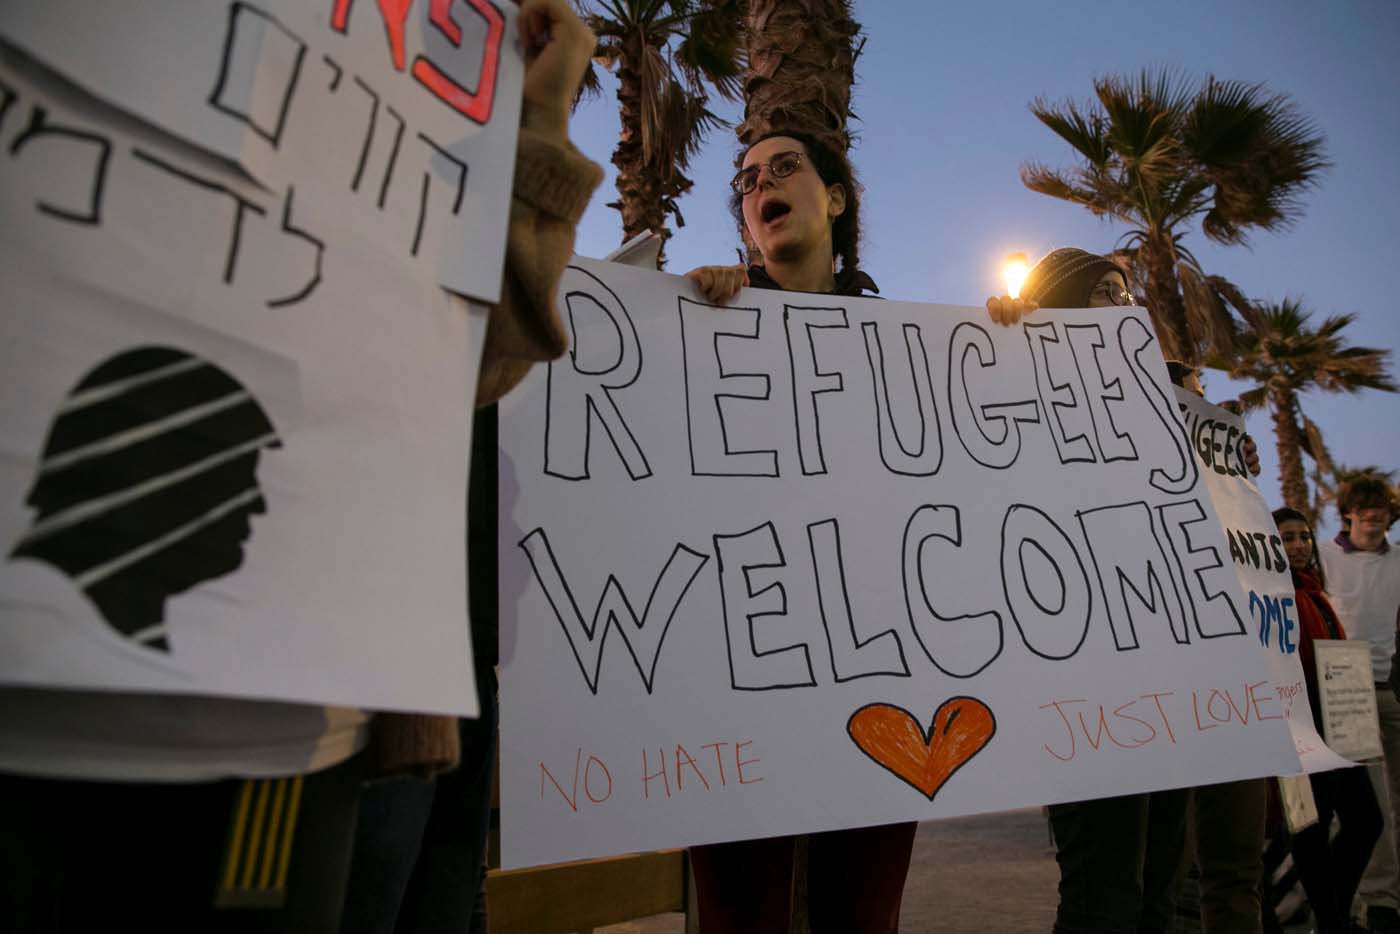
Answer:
x=1065 y=277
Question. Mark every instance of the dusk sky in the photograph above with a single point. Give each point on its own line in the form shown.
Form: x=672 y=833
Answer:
x=942 y=100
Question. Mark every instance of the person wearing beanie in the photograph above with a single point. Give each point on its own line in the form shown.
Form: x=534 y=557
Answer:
x=1073 y=278
x=1122 y=859
x=1065 y=278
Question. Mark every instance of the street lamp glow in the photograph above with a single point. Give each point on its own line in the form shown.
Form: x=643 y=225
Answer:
x=1015 y=272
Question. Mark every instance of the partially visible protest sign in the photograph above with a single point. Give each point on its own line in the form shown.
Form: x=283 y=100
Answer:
x=1348 y=697
x=1297 y=801
x=398 y=119
x=235 y=432
x=810 y=562
x=1256 y=551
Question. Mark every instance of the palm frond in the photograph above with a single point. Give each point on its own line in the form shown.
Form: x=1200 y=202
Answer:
x=712 y=47
x=1260 y=154
x=1279 y=346
x=1085 y=131
x=1235 y=297
x=1143 y=121
x=1048 y=181
x=1210 y=321
x=1251 y=400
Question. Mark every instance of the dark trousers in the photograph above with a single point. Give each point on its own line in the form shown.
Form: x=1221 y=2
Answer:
x=1228 y=824
x=96 y=856
x=1330 y=869
x=420 y=846
x=1121 y=862
x=855 y=882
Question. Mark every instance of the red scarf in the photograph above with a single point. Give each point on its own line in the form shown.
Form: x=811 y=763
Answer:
x=1316 y=620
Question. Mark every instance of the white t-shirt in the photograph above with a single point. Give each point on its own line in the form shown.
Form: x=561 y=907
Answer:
x=1364 y=587
x=129 y=736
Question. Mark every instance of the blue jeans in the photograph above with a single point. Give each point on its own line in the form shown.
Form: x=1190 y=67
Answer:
x=420 y=847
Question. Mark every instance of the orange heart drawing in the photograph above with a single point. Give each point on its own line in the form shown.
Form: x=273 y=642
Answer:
x=892 y=736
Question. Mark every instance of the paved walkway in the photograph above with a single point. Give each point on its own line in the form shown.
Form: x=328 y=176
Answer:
x=993 y=872
x=969 y=875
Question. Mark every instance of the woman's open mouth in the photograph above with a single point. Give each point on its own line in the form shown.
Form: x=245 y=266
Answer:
x=774 y=211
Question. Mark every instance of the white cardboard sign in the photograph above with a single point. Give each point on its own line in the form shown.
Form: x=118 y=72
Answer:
x=397 y=118
x=1256 y=551
x=811 y=562
x=235 y=434
x=1296 y=798
x=1348 y=698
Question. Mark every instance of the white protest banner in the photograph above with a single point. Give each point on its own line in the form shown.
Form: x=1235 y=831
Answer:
x=811 y=562
x=397 y=118
x=1348 y=698
x=235 y=434
x=1256 y=551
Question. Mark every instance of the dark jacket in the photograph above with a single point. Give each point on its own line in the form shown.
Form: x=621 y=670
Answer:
x=848 y=282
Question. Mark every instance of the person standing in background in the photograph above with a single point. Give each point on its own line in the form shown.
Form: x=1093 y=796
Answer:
x=420 y=846
x=1122 y=859
x=1363 y=577
x=1330 y=867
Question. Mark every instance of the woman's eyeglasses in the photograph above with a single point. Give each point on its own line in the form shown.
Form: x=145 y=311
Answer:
x=782 y=165
x=1113 y=293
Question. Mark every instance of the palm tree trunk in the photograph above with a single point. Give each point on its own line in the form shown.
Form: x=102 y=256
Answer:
x=640 y=196
x=1164 y=302
x=802 y=56
x=1289 y=437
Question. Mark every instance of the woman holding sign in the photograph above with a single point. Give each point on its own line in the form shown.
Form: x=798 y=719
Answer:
x=1122 y=859
x=1330 y=867
x=798 y=201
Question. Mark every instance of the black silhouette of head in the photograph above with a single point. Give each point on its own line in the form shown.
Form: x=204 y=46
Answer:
x=147 y=483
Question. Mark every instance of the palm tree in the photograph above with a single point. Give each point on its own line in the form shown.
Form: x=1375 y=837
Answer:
x=1157 y=153
x=802 y=57
x=669 y=55
x=1283 y=355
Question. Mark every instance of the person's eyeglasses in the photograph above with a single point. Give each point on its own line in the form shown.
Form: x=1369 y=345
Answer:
x=782 y=165
x=1113 y=293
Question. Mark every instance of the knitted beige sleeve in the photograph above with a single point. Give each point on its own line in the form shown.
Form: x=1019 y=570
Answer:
x=421 y=745
x=552 y=186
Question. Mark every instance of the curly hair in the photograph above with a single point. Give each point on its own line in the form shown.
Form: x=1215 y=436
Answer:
x=1365 y=493
x=833 y=168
